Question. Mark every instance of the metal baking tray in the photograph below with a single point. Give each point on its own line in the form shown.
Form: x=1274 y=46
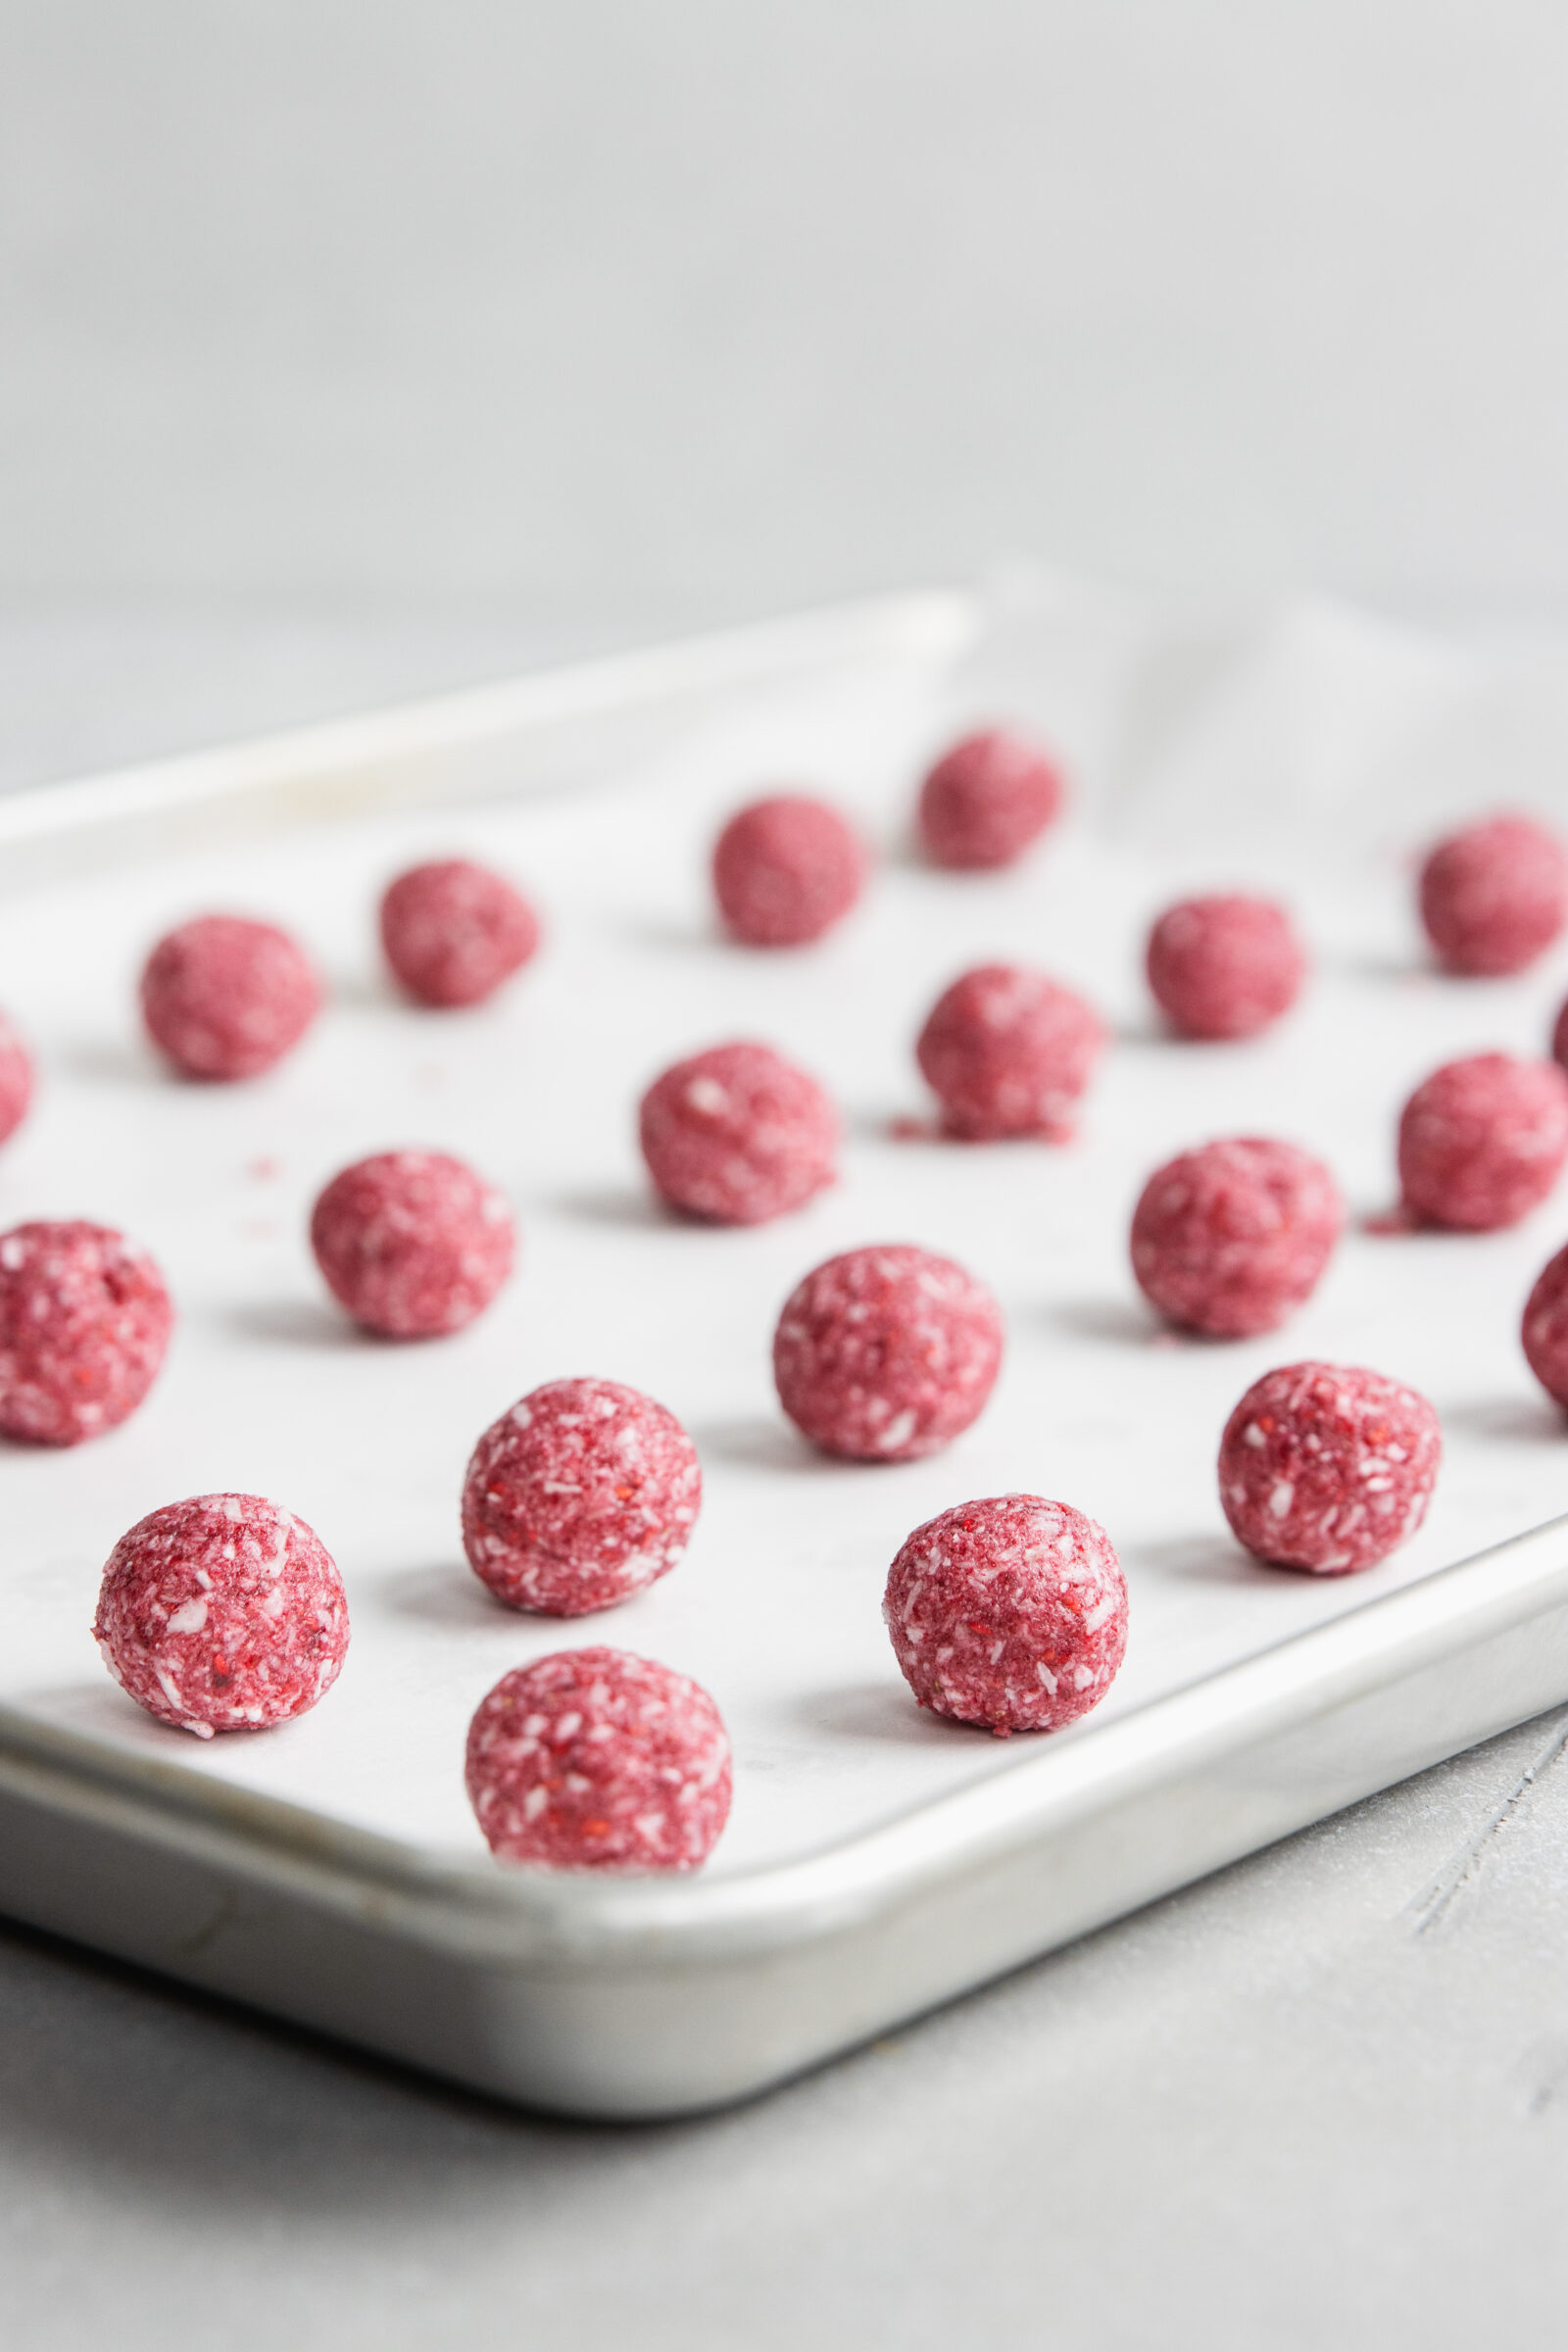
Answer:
x=877 y=1862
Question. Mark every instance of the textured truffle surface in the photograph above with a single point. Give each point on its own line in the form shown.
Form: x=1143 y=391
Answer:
x=1482 y=1142
x=1009 y=1052
x=222 y=1614
x=84 y=1322
x=786 y=871
x=738 y=1134
x=580 y=1496
x=227 y=998
x=594 y=1760
x=413 y=1244
x=16 y=1080
x=453 y=931
x=1545 y=1329
x=1010 y=1612
x=986 y=799
x=1229 y=1240
x=1495 y=895
x=887 y=1354
x=1328 y=1467
x=1225 y=967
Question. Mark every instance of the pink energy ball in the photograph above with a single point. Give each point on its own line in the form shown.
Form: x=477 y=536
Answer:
x=787 y=869
x=228 y=998
x=1544 y=1331
x=738 y=1134
x=886 y=1355
x=1496 y=896
x=1229 y=1240
x=85 y=1321
x=1327 y=1468
x=413 y=1244
x=594 y=1760
x=453 y=931
x=16 y=1080
x=985 y=800
x=1009 y=1052
x=1482 y=1142
x=1225 y=967
x=1010 y=1613
x=582 y=1495
x=222 y=1614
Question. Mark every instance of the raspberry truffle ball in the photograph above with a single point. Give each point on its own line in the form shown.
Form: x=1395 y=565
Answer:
x=985 y=800
x=886 y=1355
x=16 y=1080
x=413 y=1244
x=1482 y=1142
x=594 y=1760
x=85 y=1321
x=1496 y=896
x=738 y=1134
x=1328 y=1468
x=228 y=998
x=453 y=931
x=1231 y=1239
x=1009 y=1052
x=785 y=870
x=581 y=1495
x=1224 y=968
x=1010 y=1613
x=1545 y=1329
x=222 y=1614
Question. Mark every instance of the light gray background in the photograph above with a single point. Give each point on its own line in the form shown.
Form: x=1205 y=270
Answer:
x=351 y=349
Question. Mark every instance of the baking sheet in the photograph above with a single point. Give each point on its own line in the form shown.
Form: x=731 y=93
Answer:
x=776 y=1606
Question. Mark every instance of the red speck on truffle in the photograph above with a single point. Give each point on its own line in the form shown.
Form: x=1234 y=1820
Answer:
x=1224 y=966
x=985 y=800
x=1482 y=1142
x=1327 y=1467
x=222 y=1614
x=1010 y=1613
x=1009 y=1052
x=787 y=869
x=228 y=998
x=738 y=1134
x=1495 y=895
x=413 y=1244
x=594 y=1760
x=16 y=1080
x=1229 y=1240
x=579 y=1497
x=85 y=1321
x=453 y=931
x=1544 y=1330
x=885 y=1354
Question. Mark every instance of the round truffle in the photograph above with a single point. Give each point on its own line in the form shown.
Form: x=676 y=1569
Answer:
x=85 y=1321
x=1495 y=895
x=453 y=931
x=1010 y=1613
x=787 y=869
x=1482 y=1142
x=228 y=998
x=1328 y=1468
x=594 y=1760
x=1224 y=966
x=1544 y=1330
x=1009 y=1052
x=985 y=800
x=738 y=1134
x=581 y=1495
x=1231 y=1239
x=222 y=1614
x=16 y=1080
x=886 y=1355
x=413 y=1244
